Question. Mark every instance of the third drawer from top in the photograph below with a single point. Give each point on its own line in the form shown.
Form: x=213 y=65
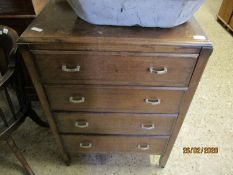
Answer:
x=115 y=123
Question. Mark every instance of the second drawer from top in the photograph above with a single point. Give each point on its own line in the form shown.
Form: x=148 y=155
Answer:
x=79 y=67
x=98 y=98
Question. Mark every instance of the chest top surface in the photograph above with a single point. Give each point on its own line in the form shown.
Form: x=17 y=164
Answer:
x=60 y=24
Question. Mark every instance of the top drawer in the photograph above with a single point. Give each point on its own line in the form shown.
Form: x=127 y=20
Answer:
x=80 y=67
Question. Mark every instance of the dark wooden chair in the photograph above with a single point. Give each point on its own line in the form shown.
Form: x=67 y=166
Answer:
x=14 y=105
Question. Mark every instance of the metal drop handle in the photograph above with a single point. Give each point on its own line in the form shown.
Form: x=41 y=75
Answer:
x=158 y=71
x=153 y=102
x=81 y=124
x=144 y=147
x=148 y=126
x=77 y=101
x=85 y=145
x=70 y=69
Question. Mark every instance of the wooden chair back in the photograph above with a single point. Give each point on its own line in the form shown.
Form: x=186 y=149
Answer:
x=10 y=93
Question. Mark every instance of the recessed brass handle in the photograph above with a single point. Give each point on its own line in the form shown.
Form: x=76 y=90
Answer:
x=144 y=147
x=153 y=102
x=81 y=124
x=158 y=71
x=65 y=68
x=148 y=126
x=76 y=101
x=85 y=145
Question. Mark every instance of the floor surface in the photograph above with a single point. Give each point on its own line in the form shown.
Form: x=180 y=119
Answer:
x=208 y=123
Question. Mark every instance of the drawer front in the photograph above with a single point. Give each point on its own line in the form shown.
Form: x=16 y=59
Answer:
x=108 y=68
x=113 y=99
x=82 y=143
x=115 y=123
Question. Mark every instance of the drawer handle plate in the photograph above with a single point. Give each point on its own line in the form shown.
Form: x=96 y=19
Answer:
x=158 y=71
x=73 y=100
x=153 y=102
x=81 y=124
x=143 y=147
x=148 y=126
x=67 y=69
x=85 y=145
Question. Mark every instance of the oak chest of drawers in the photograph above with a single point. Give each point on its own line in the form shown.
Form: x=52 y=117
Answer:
x=113 y=89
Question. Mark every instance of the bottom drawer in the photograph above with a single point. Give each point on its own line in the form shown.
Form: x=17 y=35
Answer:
x=98 y=144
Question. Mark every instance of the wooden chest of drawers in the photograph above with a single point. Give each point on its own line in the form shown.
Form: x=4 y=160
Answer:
x=113 y=89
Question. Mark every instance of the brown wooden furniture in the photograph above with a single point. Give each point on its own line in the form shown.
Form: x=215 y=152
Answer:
x=110 y=89
x=18 y=14
x=225 y=14
x=13 y=106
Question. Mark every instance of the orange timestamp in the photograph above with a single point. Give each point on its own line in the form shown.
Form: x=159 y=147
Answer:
x=200 y=150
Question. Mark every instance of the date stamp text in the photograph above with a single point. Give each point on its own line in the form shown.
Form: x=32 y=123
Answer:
x=200 y=150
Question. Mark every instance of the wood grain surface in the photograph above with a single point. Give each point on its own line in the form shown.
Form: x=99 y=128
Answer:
x=113 y=99
x=115 y=68
x=105 y=144
x=115 y=123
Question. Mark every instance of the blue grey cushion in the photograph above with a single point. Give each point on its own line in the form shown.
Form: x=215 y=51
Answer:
x=146 y=13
